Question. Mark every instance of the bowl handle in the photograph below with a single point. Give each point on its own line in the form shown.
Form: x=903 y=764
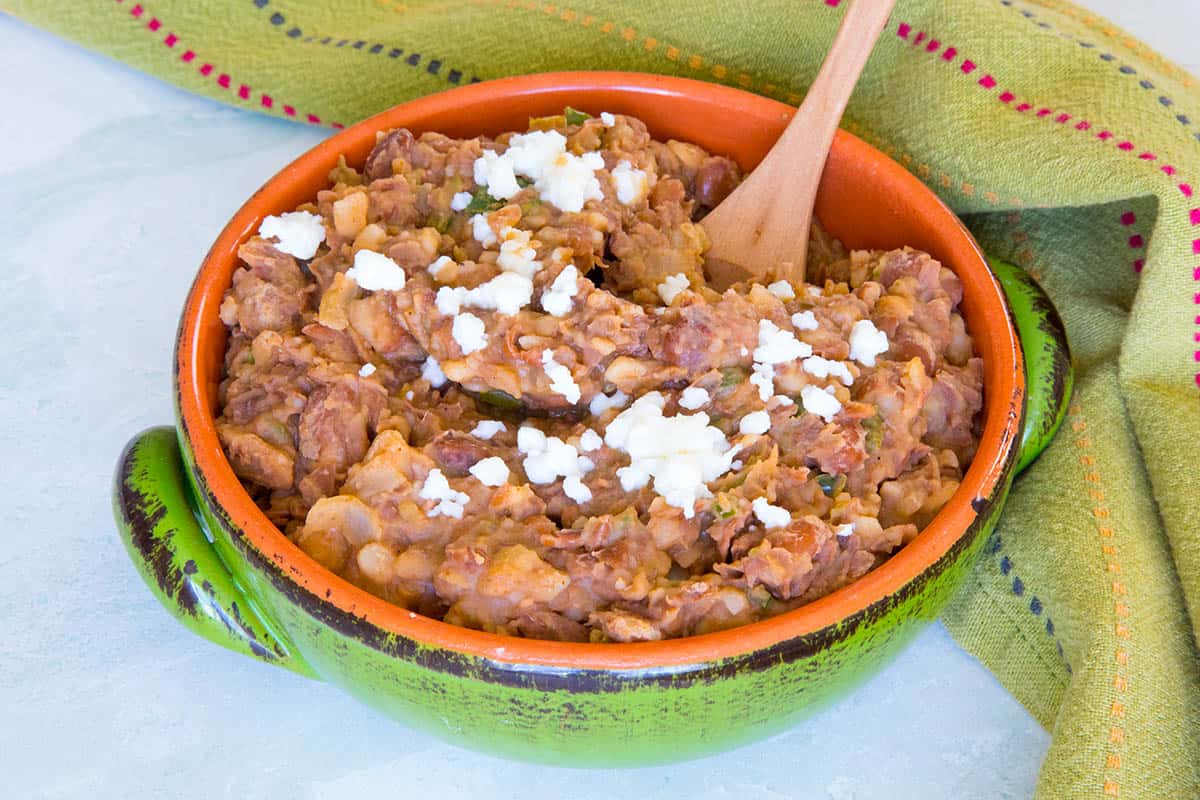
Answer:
x=1049 y=374
x=156 y=517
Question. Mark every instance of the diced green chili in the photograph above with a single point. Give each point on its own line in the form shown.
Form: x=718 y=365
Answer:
x=482 y=201
x=874 y=432
x=831 y=485
x=732 y=376
x=574 y=116
x=499 y=399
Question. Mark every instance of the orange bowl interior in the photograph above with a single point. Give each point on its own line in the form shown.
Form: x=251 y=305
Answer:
x=866 y=200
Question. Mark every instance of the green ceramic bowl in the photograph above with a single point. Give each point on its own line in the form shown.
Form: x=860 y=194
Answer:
x=214 y=561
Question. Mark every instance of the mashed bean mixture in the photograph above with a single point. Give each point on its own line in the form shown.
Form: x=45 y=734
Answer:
x=484 y=379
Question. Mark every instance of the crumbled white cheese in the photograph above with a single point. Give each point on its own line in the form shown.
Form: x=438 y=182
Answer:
x=561 y=381
x=517 y=254
x=450 y=501
x=770 y=516
x=681 y=453
x=764 y=378
x=563 y=179
x=487 y=428
x=431 y=371
x=608 y=119
x=589 y=440
x=782 y=400
x=496 y=172
x=469 y=332
x=815 y=291
x=435 y=269
x=844 y=530
x=671 y=286
x=376 y=272
x=867 y=342
x=693 y=397
x=804 y=321
x=410 y=394
x=548 y=458
x=460 y=201
x=571 y=181
x=556 y=301
x=755 y=422
x=449 y=300
x=820 y=367
x=366 y=370
x=506 y=293
x=631 y=183
x=736 y=464
x=602 y=402
x=482 y=231
x=782 y=289
x=491 y=471
x=776 y=346
x=574 y=488
x=297 y=233
x=821 y=402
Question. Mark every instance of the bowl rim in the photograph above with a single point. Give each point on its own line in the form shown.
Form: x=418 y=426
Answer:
x=989 y=468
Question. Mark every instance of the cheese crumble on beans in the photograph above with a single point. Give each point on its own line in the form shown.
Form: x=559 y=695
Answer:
x=485 y=379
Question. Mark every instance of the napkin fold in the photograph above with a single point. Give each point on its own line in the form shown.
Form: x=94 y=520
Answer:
x=1068 y=147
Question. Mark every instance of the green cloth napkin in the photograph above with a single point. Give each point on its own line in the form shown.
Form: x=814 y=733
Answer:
x=1069 y=147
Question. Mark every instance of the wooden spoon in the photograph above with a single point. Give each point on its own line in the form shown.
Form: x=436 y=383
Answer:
x=760 y=231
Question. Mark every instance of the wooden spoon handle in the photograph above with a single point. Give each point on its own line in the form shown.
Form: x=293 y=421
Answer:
x=763 y=225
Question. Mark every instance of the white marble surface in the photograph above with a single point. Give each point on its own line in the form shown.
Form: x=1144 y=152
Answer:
x=114 y=186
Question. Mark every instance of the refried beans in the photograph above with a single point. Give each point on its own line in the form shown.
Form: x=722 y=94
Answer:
x=484 y=380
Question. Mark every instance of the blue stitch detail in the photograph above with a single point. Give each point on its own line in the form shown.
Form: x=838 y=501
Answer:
x=434 y=66
x=1125 y=69
x=1036 y=607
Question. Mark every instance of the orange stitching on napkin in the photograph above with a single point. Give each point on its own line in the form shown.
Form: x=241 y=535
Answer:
x=1121 y=628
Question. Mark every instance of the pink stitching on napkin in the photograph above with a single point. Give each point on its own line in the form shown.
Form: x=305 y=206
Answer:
x=223 y=79
x=1125 y=145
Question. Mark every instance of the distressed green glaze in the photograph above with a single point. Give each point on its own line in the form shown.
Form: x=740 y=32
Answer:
x=1049 y=375
x=227 y=590
x=155 y=517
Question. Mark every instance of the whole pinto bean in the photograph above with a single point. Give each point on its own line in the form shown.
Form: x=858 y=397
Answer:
x=715 y=179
